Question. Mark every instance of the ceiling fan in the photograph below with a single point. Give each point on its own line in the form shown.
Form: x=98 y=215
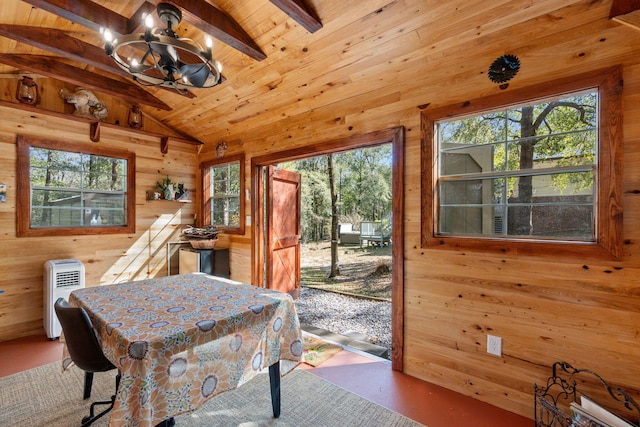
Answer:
x=158 y=57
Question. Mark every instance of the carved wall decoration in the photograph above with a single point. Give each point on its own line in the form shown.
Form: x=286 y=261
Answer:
x=221 y=149
x=86 y=103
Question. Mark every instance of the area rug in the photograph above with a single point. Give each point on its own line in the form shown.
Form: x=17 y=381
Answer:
x=317 y=351
x=45 y=396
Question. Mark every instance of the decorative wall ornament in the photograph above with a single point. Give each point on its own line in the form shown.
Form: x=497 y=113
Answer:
x=166 y=188
x=504 y=68
x=86 y=103
x=135 y=117
x=27 y=91
x=221 y=149
x=169 y=190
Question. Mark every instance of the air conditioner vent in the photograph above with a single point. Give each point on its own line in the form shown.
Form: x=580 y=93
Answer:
x=67 y=278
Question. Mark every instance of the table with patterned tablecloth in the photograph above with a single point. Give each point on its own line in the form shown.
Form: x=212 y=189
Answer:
x=180 y=340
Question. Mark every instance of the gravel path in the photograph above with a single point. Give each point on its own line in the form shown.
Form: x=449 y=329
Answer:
x=340 y=313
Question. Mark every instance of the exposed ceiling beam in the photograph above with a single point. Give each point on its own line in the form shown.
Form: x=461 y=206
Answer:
x=52 y=67
x=301 y=13
x=86 y=13
x=58 y=42
x=197 y=12
x=621 y=7
x=218 y=24
x=626 y=12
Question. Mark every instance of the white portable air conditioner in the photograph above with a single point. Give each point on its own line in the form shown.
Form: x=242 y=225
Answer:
x=61 y=277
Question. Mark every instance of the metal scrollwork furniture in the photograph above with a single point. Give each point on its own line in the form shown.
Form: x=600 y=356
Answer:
x=552 y=400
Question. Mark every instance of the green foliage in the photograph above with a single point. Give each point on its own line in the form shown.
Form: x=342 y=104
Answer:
x=363 y=185
x=64 y=185
x=506 y=162
x=64 y=169
x=560 y=133
x=224 y=196
x=226 y=179
x=364 y=182
x=316 y=204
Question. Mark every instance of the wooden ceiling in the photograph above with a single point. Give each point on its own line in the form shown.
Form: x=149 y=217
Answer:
x=285 y=59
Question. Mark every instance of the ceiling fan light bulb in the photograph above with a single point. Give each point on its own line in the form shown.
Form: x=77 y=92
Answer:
x=148 y=21
x=209 y=43
x=108 y=36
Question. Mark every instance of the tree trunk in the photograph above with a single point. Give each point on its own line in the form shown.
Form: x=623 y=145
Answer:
x=334 y=218
x=520 y=217
x=114 y=174
x=46 y=213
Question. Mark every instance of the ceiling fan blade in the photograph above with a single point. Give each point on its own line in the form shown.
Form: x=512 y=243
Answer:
x=168 y=54
x=197 y=74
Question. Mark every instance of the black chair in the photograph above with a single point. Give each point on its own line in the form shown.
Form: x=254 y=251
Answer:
x=85 y=351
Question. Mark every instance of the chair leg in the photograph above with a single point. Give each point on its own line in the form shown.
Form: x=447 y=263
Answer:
x=88 y=382
x=91 y=418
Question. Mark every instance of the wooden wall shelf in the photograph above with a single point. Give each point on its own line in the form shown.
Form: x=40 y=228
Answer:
x=165 y=200
x=151 y=199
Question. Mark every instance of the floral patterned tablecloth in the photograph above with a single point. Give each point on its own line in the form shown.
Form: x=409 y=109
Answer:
x=180 y=340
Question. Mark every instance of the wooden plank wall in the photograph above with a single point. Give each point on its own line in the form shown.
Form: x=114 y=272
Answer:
x=107 y=258
x=587 y=314
x=545 y=310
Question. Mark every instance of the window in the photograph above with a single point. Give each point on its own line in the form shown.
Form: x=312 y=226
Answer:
x=522 y=171
x=64 y=190
x=223 y=189
x=526 y=171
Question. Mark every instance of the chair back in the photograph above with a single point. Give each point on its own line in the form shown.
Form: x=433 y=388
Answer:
x=80 y=338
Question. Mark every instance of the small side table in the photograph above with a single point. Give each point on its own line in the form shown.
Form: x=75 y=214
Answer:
x=173 y=250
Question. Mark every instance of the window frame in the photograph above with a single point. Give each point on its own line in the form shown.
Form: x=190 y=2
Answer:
x=23 y=188
x=609 y=192
x=205 y=212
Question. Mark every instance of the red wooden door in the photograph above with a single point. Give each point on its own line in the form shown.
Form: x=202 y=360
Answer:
x=283 y=231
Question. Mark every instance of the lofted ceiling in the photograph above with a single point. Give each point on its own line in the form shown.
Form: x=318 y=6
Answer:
x=284 y=59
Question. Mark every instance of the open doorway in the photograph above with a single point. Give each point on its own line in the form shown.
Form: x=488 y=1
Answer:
x=261 y=247
x=345 y=256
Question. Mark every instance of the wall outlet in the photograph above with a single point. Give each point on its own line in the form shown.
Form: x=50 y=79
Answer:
x=494 y=345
